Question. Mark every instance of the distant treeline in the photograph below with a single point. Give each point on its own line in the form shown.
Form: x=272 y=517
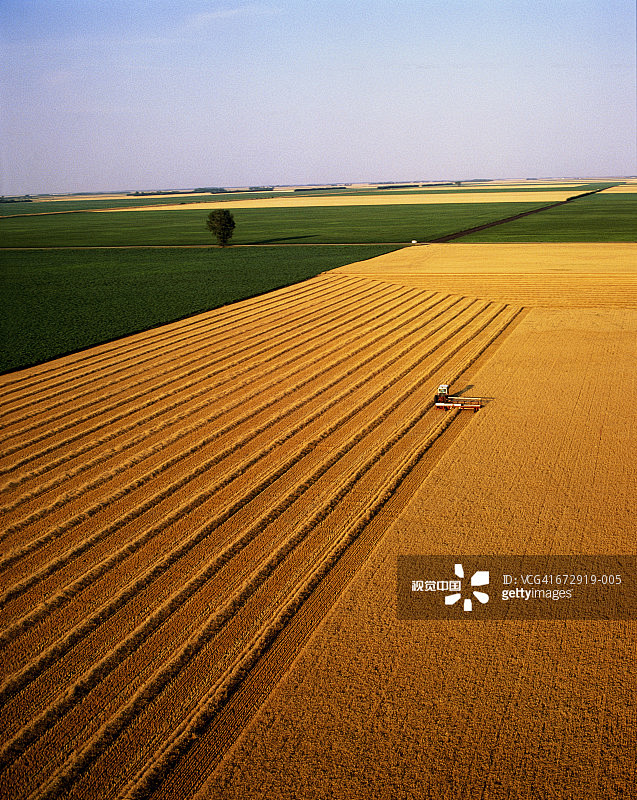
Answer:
x=201 y=190
x=320 y=189
x=25 y=199
x=416 y=185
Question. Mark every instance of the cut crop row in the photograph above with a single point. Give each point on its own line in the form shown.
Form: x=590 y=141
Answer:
x=176 y=434
x=170 y=490
x=199 y=357
x=48 y=376
x=180 y=396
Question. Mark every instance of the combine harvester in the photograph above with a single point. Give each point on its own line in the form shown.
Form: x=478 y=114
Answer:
x=444 y=400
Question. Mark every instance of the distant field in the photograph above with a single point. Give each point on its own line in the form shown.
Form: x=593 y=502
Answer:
x=598 y=218
x=79 y=203
x=545 y=274
x=315 y=225
x=55 y=302
x=380 y=199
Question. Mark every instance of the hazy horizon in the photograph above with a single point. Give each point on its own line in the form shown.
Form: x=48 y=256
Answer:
x=126 y=96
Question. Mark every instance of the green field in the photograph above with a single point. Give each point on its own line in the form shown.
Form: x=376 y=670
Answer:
x=43 y=206
x=58 y=301
x=597 y=218
x=313 y=225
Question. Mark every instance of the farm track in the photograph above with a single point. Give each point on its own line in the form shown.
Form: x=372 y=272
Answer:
x=159 y=541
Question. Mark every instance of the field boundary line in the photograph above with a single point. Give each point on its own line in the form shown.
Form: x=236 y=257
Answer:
x=172 y=390
x=201 y=340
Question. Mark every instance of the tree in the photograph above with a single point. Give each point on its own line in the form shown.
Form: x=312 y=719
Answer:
x=221 y=224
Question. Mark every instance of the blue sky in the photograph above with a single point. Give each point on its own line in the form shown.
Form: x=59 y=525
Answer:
x=141 y=94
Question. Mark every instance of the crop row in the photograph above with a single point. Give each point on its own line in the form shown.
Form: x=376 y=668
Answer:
x=181 y=395
x=211 y=571
x=320 y=557
x=246 y=413
x=252 y=484
x=119 y=354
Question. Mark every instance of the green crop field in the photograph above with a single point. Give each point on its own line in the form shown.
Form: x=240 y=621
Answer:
x=310 y=225
x=58 y=301
x=597 y=218
x=43 y=206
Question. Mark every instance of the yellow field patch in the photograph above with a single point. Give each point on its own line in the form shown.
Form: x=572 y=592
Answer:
x=457 y=703
x=548 y=275
x=629 y=188
x=363 y=200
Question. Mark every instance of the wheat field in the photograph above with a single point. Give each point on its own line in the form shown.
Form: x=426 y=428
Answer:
x=379 y=707
x=200 y=526
x=305 y=201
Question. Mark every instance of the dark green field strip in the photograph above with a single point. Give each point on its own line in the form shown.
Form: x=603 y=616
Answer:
x=310 y=225
x=596 y=218
x=59 y=206
x=59 y=301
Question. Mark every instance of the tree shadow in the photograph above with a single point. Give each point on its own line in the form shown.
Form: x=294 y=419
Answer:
x=281 y=239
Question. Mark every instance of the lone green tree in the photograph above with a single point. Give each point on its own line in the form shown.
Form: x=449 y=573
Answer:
x=221 y=224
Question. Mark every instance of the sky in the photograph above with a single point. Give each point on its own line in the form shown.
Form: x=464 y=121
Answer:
x=110 y=95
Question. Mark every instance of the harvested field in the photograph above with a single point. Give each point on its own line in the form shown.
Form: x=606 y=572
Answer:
x=378 y=707
x=305 y=201
x=171 y=500
x=569 y=275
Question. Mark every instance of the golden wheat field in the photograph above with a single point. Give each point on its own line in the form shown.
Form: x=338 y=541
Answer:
x=200 y=527
x=600 y=275
x=379 y=707
x=305 y=201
